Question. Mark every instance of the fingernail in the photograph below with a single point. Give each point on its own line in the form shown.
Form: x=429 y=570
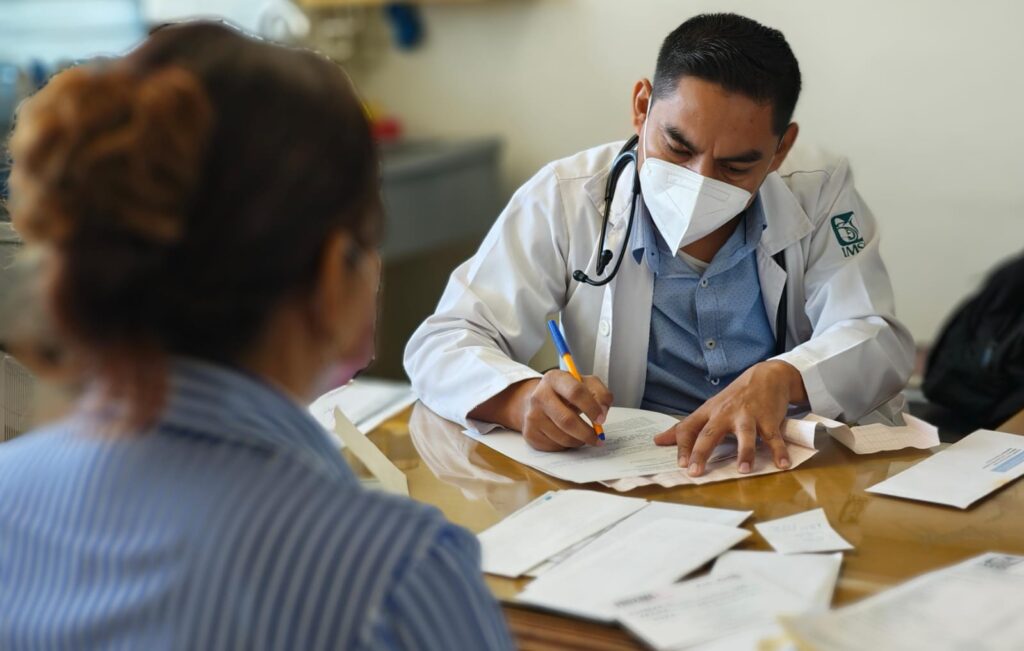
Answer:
x=600 y=419
x=694 y=469
x=682 y=461
x=745 y=467
x=784 y=463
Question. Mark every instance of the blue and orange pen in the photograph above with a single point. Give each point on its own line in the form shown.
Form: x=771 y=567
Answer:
x=563 y=352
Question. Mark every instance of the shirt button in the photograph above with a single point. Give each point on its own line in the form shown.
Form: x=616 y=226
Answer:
x=703 y=282
x=710 y=343
x=714 y=381
x=604 y=328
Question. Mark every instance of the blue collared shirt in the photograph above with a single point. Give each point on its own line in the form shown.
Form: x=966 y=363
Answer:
x=233 y=524
x=706 y=328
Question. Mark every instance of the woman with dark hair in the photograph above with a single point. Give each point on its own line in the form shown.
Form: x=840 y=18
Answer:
x=205 y=213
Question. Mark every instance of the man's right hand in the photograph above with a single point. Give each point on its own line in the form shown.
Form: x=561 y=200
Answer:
x=547 y=410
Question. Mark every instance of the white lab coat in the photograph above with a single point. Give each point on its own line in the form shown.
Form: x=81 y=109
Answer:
x=842 y=333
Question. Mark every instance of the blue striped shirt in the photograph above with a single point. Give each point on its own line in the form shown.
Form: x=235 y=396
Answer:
x=233 y=524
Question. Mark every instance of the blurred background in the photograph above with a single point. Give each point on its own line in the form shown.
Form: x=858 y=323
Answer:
x=471 y=97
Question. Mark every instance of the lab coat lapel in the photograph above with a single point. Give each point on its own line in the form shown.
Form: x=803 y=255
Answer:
x=623 y=327
x=786 y=224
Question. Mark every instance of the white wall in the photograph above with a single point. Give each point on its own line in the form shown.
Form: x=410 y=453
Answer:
x=925 y=97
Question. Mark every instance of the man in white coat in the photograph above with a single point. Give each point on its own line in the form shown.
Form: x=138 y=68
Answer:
x=745 y=277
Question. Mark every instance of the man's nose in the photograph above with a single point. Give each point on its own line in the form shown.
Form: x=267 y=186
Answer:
x=704 y=165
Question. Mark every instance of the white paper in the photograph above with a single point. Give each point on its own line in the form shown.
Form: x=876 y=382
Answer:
x=548 y=525
x=974 y=605
x=804 y=532
x=653 y=511
x=628 y=449
x=390 y=477
x=704 y=609
x=869 y=439
x=651 y=557
x=723 y=470
x=961 y=474
x=810 y=578
x=367 y=402
x=736 y=606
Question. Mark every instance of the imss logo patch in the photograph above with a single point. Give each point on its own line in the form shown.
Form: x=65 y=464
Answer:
x=847 y=234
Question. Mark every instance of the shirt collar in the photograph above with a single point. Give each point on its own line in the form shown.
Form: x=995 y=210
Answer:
x=643 y=241
x=225 y=403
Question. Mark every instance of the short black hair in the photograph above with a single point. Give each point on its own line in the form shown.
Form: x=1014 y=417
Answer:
x=740 y=54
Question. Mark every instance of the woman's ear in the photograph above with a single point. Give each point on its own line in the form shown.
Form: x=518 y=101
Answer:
x=332 y=285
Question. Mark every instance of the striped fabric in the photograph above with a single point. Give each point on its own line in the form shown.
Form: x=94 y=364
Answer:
x=233 y=524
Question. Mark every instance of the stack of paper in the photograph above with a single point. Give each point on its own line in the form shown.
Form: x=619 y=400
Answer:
x=973 y=605
x=735 y=606
x=367 y=402
x=548 y=525
x=963 y=473
x=588 y=583
x=652 y=511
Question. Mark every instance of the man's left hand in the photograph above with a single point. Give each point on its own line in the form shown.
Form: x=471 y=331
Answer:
x=753 y=406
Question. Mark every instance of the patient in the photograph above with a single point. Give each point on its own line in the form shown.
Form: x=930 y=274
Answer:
x=205 y=214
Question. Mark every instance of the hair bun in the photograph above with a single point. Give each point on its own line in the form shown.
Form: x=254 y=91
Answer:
x=103 y=146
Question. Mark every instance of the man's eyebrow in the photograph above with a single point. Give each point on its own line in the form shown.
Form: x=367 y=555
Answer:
x=677 y=136
x=750 y=156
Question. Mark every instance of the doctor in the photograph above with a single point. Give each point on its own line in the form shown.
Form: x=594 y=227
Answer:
x=745 y=277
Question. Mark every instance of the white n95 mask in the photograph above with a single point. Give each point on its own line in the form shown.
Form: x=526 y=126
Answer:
x=686 y=206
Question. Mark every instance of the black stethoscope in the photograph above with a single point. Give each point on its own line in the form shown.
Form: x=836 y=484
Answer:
x=625 y=157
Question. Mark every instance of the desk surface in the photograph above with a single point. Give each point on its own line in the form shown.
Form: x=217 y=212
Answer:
x=894 y=539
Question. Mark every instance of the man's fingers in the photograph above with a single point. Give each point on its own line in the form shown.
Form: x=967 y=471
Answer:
x=545 y=435
x=576 y=394
x=746 y=441
x=710 y=435
x=569 y=422
x=773 y=437
x=599 y=391
x=685 y=434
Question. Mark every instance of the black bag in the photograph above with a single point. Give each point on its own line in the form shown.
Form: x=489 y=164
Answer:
x=977 y=367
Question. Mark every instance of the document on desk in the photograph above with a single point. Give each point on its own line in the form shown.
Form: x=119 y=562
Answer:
x=799 y=437
x=804 y=532
x=810 y=578
x=704 y=609
x=961 y=474
x=653 y=511
x=551 y=523
x=736 y=605
x=651 y=557
x=628 y=449
x=367 y=402
x=973 y=605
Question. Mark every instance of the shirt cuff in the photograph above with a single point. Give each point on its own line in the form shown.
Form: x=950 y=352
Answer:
x=821 y=401
x=492 y=389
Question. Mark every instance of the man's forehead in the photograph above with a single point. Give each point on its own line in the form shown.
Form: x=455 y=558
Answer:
x=700 y=109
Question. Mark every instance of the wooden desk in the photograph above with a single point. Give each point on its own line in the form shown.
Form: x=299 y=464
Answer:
x=894 y=539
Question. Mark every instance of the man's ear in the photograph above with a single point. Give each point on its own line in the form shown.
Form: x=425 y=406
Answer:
x=785 y=145
x=331 y=284
x=642 y=93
